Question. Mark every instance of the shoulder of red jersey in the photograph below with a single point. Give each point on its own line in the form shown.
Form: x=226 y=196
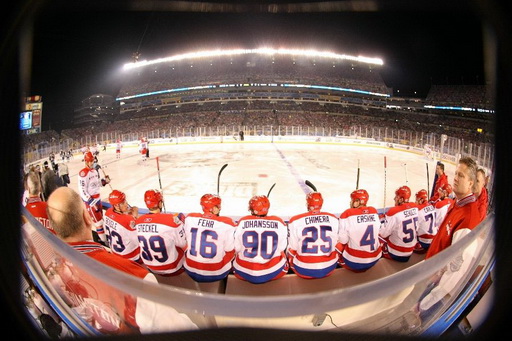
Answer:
x=84 y=171
x=396 y=209
x=226 y=220
x=119 y=217
x=158 y=218
x=299 y=216
x=194 y=215
x=409 y=205
x=328 y=213
x=358 y=211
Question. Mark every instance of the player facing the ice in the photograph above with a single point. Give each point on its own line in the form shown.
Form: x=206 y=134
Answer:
x=161 y=237
x=210 y=242
x=427 y=227
x=260 y=244
x=120 y=227
x=444 y=203
x=398 y=231
x=89 y=184
x=359 y=234
x=439 y=180
x=313 y=239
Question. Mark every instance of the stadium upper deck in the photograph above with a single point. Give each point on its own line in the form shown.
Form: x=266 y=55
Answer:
x=257 y=68
x=261 y=83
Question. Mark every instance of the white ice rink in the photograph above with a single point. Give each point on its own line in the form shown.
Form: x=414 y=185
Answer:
x=187 y=171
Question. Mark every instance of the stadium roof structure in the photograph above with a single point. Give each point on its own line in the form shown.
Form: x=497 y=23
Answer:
x=260 y=51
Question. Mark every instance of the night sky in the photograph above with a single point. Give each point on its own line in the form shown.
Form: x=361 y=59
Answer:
x=79 y=53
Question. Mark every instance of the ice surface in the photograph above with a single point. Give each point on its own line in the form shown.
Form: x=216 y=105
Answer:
x=187 y=171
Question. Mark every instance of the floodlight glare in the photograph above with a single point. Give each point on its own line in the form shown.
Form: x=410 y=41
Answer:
x=262 y=51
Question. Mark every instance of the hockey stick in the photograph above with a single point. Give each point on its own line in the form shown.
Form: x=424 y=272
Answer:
x=385 y=167
x=159 y=179
x=105 y=175
x=313 y=187
x=218 y=177
x=357 y=182
x=428 y=181
x=405 y=168
x=270 y=190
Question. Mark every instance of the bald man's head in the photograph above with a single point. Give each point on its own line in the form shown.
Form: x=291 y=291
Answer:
x=67 y=214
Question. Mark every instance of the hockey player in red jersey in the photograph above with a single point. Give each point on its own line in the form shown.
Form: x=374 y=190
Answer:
x=482 y=197
x=35 y=205
x=359 y=234
x=444 y=203
x=398 y=231
x=120 y=227
x=161 y=237
x=89 y=184
x=313 y=239
x=210 y=242
x=441 y=179
x=427 y=227
x=260 y=244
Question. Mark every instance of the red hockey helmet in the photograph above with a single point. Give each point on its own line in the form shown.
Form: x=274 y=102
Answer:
x=152 y=198
x=314 y=201
x=209 y=201
x=88 y=157
x=447 y=188
x=116 y=197
x=361 y=195
x=259 y=205
x=403 y=192
x=422 y=193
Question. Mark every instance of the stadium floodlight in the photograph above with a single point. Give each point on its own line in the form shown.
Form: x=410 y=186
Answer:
x=262 y=51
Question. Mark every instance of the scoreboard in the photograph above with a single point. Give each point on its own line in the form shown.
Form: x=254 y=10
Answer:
x=30 y=118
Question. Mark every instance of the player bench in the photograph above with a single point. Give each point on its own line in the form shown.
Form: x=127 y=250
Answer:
x=291 y=284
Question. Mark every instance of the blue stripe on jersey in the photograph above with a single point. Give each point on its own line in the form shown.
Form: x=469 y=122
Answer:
x=259 y=279
x=359 y=266
x=399 y=258
x=315 y=273
x=202 y=278
x=424 y=245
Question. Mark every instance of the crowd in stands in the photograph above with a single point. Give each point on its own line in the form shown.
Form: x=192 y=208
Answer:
x=307 y=114
x=252 y=70
x=188 y=119
x=463 y=95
